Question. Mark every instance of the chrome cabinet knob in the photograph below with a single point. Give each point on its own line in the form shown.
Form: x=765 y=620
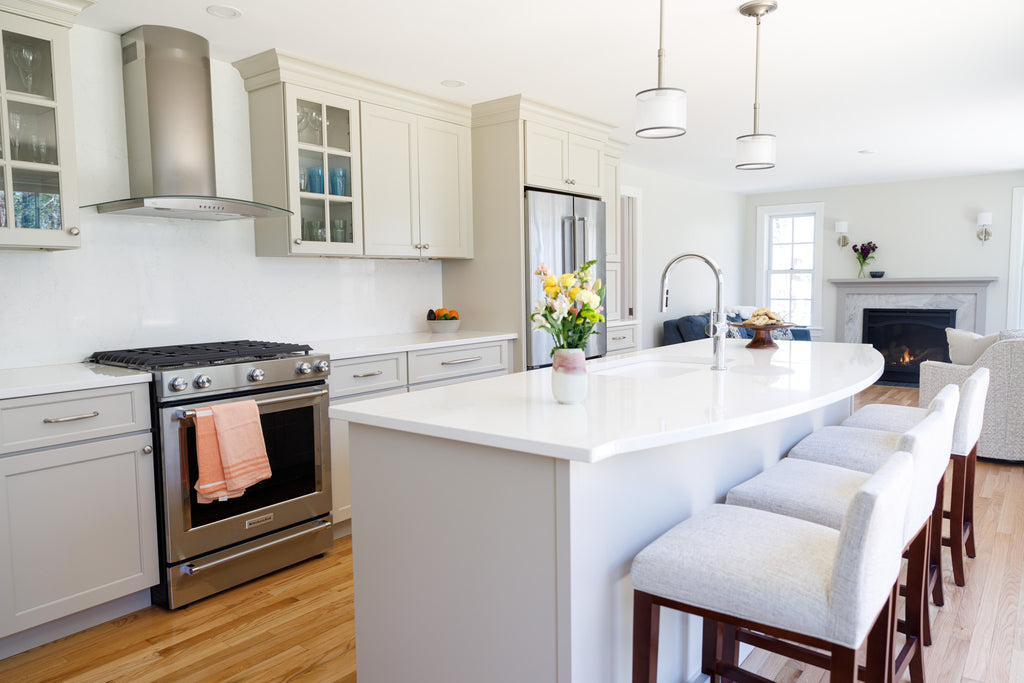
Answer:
x=303 y=368
x=74 y=232
x=256 y=375
x=426 y=246
x=322 y=366
x=147 y=449
x=202 y=382
x=178 y=384
x=298 y=240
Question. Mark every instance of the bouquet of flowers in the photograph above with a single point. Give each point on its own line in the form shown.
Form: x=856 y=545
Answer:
x=864 y=253
x=571 y=306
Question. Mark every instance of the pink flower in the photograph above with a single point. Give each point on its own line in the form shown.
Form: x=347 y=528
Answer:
x=543 y=271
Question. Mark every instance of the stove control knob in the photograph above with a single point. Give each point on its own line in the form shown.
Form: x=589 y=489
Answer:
x=202 y=382
x=303 y=368
x=322 y=366
x=256 y=375
x=178 y=384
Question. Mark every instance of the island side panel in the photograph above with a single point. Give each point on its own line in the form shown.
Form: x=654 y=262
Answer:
x=454 y=560
x=621 y=504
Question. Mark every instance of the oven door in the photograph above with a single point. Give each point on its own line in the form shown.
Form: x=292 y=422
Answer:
x=295 y=429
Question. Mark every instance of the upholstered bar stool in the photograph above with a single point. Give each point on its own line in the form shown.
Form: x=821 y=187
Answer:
x=784 y=578
x=820 y=493
x=964 y=453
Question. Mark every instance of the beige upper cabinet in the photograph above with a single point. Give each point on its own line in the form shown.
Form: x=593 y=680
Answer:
x=417 y=187
x=38 y=187
x=305 y=156
x=560 y=160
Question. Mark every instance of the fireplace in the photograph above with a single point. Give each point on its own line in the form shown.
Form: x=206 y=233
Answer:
x=906 y=337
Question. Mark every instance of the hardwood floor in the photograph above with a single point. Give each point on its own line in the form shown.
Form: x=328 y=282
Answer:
x=298 y=624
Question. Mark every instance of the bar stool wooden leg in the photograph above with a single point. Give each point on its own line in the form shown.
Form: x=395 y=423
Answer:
x=955 y=541
x=935 y=552
x=646 y=616
x=972 y=460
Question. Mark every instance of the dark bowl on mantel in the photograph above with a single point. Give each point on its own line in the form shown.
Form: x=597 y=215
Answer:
x=877 y=273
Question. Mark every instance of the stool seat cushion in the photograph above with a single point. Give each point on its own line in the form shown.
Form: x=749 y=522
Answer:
x=854 y=448
x=888 y=418
x=807 y=490
x=744 y=562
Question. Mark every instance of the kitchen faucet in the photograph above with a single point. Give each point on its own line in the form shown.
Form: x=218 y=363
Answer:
x=718 y=317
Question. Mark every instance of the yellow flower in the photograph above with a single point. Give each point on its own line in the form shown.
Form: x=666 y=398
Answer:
x=574 y=293
x=568 y=280
x=550 y=281
x=551 y=292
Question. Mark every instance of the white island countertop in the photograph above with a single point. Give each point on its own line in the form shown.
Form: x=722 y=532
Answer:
x=51 y=379
x=635 y=401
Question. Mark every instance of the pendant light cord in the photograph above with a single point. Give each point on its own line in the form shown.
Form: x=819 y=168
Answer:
x=661 y=40
x=757 y=70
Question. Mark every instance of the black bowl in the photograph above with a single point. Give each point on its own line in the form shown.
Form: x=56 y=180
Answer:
x=877 y=273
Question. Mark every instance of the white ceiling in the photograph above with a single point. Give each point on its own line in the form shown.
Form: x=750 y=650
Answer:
x=933 y=88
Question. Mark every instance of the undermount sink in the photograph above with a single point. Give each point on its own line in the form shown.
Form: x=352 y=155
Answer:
x=649 y=369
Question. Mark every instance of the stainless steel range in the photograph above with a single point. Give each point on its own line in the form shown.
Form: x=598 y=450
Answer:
x=206 y=548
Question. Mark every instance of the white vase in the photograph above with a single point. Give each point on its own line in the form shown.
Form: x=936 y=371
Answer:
x=569 y=375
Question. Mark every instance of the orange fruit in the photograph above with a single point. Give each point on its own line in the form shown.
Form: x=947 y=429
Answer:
x=440 y=311
x=454 y=314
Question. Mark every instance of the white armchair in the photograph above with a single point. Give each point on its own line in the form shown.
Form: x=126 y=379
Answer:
x=1002 y=434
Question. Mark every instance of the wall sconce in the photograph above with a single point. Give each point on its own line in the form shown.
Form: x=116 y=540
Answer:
x=841 y=229
x=984 y=223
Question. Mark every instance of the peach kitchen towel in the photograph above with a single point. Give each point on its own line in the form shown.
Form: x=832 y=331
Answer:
x=210 y=484
x=243 y=454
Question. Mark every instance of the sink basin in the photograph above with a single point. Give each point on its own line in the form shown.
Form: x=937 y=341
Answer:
x=649 y=369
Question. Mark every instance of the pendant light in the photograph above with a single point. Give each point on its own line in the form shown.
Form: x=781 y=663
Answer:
x=661 y=112
x=756 y=152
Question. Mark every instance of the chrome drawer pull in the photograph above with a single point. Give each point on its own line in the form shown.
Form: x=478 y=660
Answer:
x=369 y=374
x=617 y=338
x=70 y=418
x=192 y=568
x=460 y=361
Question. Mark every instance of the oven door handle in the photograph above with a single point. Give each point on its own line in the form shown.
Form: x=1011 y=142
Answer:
x=192 y=568
x=189 y=414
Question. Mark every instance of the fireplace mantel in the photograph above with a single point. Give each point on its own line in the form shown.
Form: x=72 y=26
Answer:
x=966 y=294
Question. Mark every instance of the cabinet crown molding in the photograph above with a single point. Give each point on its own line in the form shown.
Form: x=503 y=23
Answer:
x=521 y=107
x=277 y=66
x=60 y=12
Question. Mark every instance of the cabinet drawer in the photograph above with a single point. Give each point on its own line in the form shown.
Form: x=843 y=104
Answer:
x=369 y=373
x=621 y=338
x=433 y=364
x=52 y=419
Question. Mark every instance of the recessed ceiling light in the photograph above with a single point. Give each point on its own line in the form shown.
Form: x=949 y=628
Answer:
x=865 y=151
x=452 y=83
x=224 y=12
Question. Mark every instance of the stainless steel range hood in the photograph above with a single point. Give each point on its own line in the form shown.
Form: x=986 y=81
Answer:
x=169 y=119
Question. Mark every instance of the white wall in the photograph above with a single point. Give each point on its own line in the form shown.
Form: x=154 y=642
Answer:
x=139 y=281
x=677 y=216
x=923 y=228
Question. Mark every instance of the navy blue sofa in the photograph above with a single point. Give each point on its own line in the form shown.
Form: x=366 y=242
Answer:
x=693 y=327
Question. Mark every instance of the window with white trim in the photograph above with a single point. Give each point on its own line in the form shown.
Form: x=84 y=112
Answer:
x=790 y=261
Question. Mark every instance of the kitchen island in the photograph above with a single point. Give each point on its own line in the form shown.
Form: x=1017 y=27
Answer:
x=493 y=528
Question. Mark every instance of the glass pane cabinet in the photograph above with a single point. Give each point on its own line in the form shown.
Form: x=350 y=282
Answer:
x=320 y=176
x=38 y=198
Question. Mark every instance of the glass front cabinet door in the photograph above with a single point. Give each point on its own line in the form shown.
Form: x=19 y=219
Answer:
x=38 y=197
x=320 y=180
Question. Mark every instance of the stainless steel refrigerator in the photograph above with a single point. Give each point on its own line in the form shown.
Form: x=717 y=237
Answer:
x=562 y=232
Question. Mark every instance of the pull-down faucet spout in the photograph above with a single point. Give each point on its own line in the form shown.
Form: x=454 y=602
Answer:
x=718 y=323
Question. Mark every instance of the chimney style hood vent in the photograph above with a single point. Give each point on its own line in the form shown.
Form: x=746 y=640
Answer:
x=169 y=120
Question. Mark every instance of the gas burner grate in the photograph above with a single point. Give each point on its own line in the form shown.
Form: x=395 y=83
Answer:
x=213 y=353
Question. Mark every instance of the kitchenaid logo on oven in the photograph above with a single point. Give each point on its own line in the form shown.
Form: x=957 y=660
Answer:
x=259 y=521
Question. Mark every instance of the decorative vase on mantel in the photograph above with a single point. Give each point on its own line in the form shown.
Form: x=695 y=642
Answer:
x=569 y=376
x=862 y=273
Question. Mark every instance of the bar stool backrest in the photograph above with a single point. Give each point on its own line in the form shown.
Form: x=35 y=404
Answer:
x=869 y=553
x=929 y=443
x=971 y=414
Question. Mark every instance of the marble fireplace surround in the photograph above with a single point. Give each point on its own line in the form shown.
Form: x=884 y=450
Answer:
x=966 y=294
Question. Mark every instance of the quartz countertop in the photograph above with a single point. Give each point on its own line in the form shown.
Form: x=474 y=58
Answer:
x=635 y=401
x=354 y=347
x=51 y=379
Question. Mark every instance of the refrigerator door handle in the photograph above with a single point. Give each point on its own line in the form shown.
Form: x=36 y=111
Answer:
x=586 y=251
x=568 y=244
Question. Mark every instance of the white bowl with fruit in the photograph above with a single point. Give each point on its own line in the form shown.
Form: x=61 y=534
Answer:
x=443 y=320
